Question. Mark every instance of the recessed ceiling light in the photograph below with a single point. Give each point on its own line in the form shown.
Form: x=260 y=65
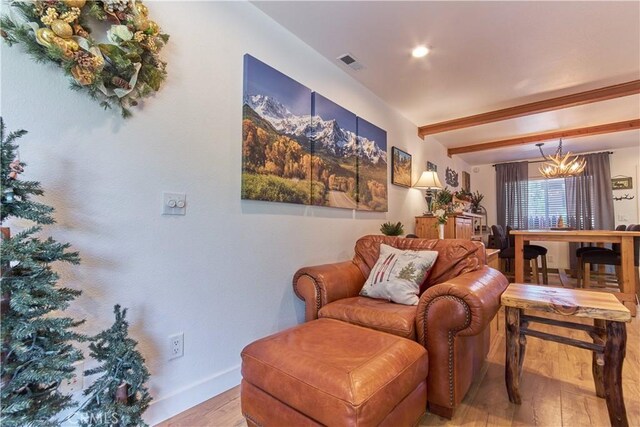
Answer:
x=420 y=51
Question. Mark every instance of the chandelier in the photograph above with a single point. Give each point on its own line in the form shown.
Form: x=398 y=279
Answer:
x=559 y=165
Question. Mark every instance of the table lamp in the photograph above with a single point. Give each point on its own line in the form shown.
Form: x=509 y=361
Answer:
x=429 y=181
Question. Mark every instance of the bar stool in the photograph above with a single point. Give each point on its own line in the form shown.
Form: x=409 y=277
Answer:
x=508 y=254
x=540 y=250
x=611 y=257
x=615 y=247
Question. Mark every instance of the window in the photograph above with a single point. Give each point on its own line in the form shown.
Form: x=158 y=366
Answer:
x=547 y=202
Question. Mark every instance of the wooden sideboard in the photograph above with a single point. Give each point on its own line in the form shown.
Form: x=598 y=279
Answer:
x=492 y=258
x=459 y=226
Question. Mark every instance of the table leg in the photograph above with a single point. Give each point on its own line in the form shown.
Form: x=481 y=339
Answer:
x=545 y=273
x=519 y=258
x=579 y=272
x=614 y=352
x=627 y=267
x=522 y=346
x=597 y=363
x=514 y=354
x=586 y=275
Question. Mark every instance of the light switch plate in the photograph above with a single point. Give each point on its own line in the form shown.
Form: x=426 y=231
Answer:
x=174 y=204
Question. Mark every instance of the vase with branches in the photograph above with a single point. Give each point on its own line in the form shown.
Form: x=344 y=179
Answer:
x=475 y=199
x=444 y=206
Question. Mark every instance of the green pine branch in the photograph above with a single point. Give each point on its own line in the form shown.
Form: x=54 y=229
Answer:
x=121 y=365
x=37 y=346
x=15 y=194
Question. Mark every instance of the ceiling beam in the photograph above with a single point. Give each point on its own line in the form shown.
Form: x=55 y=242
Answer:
x=595 y=95
x=546 y=136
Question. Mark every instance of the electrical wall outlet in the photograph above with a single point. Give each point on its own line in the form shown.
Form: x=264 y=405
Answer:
x=176 y=346
x=550 y=259
x=75 y=384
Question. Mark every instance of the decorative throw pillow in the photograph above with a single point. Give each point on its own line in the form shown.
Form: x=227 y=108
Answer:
x=398 y=274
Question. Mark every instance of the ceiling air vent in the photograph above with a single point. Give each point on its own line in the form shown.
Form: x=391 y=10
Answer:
x=350 y=61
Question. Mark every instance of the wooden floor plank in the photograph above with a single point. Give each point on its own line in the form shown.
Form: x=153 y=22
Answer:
x=222 y=410
x=557 y=390
x=583 y=410
x=538 y=409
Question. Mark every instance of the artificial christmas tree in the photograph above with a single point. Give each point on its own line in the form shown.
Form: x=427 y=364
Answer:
x=37 y=354
x=119 y=397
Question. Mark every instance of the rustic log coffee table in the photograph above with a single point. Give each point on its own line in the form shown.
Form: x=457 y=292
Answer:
x=609 y=336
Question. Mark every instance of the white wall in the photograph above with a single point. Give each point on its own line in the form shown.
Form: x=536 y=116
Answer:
x=483 y=179
x=626 y=162
x=222 y=273
x=623 y=161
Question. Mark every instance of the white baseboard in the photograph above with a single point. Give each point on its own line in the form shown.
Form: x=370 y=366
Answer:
x=189 y=396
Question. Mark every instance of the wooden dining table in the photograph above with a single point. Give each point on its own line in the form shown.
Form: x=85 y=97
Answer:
x=627 y=293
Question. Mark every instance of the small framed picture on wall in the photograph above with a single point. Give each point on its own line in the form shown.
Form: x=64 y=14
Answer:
x=624 y=183
x=466 y=181
x=400 y=167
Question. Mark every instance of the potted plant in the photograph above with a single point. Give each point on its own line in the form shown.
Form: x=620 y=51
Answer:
x=476 y=199
x=443 y=197
x=392 y=229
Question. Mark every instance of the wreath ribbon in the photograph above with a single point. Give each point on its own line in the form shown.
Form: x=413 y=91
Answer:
x=120 y=92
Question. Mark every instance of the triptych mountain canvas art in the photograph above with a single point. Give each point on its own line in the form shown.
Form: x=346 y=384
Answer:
x=300 y=147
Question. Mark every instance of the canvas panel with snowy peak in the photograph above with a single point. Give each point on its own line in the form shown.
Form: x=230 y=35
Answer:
x=372 y=167
x=334 y=150
x=276 y=131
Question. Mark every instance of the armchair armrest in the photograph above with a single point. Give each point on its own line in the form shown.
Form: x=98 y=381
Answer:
x=321 y=284
x=463 y=305
x=452 y=324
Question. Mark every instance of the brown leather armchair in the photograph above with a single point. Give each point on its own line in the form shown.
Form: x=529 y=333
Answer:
x=461 y=297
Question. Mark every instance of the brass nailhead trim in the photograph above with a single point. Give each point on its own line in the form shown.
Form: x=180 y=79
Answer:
x=315 y=283
x=450 y=336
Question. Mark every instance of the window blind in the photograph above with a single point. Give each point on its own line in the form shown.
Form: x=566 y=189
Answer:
x=547 y=202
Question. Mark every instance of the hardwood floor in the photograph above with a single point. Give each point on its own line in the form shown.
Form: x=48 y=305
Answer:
x=222 y=410
x=557 y=390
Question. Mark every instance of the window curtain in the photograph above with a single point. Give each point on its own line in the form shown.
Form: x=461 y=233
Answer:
x=590 y=199
x=512 y=193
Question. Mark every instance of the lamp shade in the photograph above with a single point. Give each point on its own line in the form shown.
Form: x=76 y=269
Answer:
x=428 y=179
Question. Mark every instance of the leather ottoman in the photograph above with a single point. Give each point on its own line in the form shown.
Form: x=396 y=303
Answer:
x=328 y=372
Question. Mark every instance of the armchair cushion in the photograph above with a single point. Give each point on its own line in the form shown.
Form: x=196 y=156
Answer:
x=398 y=274
x=396 y=319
